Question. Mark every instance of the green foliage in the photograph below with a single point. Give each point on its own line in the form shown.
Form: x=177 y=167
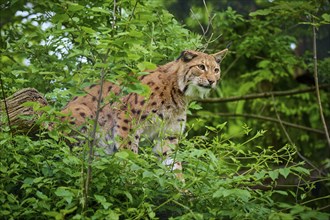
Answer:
x=271 y=50
x=72 y=43
x=221 y=181
x=233 y=170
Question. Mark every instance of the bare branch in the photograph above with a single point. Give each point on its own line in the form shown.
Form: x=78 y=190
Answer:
x=265 y=118
x=230 y=66
x=292 y=143
x=6 y=107
x=195 y=17
x=114 y=14
x=262 y=95
x=205 y=31
x=317 y=88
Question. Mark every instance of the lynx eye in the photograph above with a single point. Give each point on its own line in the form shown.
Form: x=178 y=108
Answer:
x=216 y=70
x=202 y=67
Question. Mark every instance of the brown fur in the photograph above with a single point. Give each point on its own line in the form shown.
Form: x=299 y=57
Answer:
x=160 y=116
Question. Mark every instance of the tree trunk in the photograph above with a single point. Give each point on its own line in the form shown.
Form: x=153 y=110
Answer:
x=11 y=111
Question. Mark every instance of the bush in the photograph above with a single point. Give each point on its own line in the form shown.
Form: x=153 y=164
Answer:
x=59 y=48
x=222 y=180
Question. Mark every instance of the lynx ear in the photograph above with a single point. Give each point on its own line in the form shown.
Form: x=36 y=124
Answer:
x=220 y=55
x=187 y=55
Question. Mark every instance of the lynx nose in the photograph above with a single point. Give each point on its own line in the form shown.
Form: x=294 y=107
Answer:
x=211 y=82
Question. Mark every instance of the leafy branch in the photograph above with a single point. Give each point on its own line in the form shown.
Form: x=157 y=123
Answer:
x=263 y=95
x=291 y=142
x=92 y=140
x=265 y=118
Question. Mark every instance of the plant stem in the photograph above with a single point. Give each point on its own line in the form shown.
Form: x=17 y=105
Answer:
x=292 y=143
x=265 y=118
x=316 y=79
x=4 y=100
x=263 y=95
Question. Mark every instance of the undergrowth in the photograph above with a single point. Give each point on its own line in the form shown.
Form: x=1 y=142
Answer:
x=43 y=178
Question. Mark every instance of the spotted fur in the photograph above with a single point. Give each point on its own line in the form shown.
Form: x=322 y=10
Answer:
x=161 y=116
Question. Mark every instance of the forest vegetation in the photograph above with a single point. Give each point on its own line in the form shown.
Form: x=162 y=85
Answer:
x=257 y=148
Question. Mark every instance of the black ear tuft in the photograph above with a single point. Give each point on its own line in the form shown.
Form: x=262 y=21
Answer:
x=220 y=55
x=187 y=55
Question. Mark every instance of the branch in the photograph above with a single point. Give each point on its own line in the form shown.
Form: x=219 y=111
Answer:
x=262 y=95
x=205 y=30
x=317 y=88
x=291 y=142
x=92 y=140
x=4 y=98
x=265 y=118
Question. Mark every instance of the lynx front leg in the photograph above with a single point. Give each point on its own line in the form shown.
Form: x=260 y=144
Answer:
x=165 y=148
x=125 y=136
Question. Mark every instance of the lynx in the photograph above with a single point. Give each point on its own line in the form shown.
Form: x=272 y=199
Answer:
x=161 y=116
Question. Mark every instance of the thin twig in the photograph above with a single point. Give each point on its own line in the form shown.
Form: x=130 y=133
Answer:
x=206 y=30
x=316 y=79
x=200 y=25
x=260 y=117
x=4 y=100
x=230 y=66
x=114 y=14
x=92 y=140
x=262 y=95
x=291 y=142
x=133 y=11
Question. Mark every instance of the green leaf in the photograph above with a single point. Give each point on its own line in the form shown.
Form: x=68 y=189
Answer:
x=88 y=30
x=260 y=175
x=122 y=154
x=68 y=211
x=56 y=215
x=273 y=174
x=38 y=179
x=101 y=10
x=47 y=73
x=301 y=170
x=281 y=216
x=148 y=174
x=284 y=172
x=66 y=194
x=281 y=192
x=261 y=12
x=221 y=126
x=219 y=193
x=146 y=66
x=103 y=201
x=326 y=18
x=307 y=215
x=28 y=180
x=60 y=17
x=75 y=7
x=129 y=196
x=41 y=195
x=264 y=64
x=141 y=89
x=211 y=128
x=54 y=134
x=194 y=105
x=242 y=194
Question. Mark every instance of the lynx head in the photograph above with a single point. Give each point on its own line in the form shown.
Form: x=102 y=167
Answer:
x=200 y=72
